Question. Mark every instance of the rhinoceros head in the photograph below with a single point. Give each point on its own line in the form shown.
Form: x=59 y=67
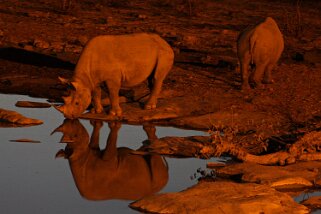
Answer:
x=77 y=102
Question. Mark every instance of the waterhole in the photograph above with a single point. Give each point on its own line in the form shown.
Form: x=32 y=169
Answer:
x=34 y=180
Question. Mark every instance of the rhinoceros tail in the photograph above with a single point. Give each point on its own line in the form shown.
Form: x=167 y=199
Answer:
x=252 y=45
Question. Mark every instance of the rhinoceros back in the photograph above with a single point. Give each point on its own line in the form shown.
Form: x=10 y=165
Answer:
x=266 y=42
x=132 y=58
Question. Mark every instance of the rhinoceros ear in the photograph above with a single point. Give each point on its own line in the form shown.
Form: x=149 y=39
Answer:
x=67 y=99
x=76 y=85
x=64 y=80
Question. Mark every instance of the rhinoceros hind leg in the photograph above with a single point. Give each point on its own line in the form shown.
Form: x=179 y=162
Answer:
x=258 y=74
x=245 y=77
x=164 y=65
x=267 y=79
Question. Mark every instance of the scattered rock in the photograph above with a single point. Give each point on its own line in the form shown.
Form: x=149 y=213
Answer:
x=290 y=183
x=215 y=165
x=57 y=46
x=38 y=14
x=82 y=39
x=142 y=16
x=111 y=21
x=28 y=104
x=39 y=43
x=73 y=48
x=221 y=197
x=232 y=33
x=28 y=47
x=190 y=40
x=178 y=146
x=160 y=116
x=16 y=118
x=299 y=175
x=313 y=203
x=24 y=140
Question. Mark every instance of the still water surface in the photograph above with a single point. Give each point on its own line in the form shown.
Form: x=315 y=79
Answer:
x=32 y=180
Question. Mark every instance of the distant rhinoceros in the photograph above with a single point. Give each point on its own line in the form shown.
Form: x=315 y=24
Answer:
x=119 y=61
x=260 y=47
x=110 y=173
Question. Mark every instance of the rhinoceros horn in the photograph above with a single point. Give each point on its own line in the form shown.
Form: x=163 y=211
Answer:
x=60 y=108
x=67 y=99
x=64 y=80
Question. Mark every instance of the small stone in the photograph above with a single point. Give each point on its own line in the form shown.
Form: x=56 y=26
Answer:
x=25 y=140
x=82 y=40
x=73 y=48
x=190 y=40
x=57 y=46
x=28 y=104
x=142 y=16
x=28 y=47
x=16 y=118
x=111 y=21
x=77 y=49
x=39 y=43
x=314 y=202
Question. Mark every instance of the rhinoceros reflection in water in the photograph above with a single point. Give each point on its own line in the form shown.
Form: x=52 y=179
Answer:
x=112 y=173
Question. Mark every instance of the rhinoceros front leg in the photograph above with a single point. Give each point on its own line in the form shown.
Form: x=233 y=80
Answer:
x=96 y=101
x=113 y=88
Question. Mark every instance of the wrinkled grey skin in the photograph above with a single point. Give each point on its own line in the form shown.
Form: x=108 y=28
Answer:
x=118 y=61
x=261 y=47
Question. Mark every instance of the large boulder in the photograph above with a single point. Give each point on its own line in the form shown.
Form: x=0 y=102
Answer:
x=221 y=197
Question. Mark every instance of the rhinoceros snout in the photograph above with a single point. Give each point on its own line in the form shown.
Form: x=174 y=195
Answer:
x=62 y=110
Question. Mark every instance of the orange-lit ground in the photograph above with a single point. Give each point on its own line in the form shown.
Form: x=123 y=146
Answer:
x=40 y=42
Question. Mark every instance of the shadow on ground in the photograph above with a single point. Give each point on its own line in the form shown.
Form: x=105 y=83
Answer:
x=33 y=58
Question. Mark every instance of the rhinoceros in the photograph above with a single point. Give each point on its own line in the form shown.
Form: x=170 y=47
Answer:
x=110 y=173
x=260 y=47
x=118 y=61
